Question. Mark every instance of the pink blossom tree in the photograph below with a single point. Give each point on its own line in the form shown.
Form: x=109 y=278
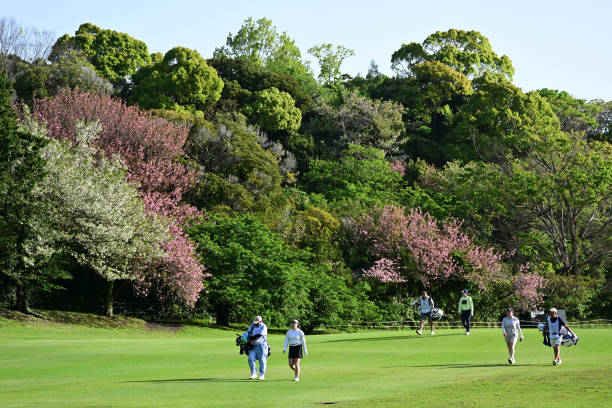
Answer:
x=415 y=245
x=527 y=288
x=149 y=148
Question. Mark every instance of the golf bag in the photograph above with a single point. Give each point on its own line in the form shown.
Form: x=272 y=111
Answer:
x=437 y=313
x=242 y=341
x=569 y=340
x=545 y=334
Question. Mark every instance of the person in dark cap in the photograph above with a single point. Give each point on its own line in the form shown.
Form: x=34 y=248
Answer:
x=466 y=310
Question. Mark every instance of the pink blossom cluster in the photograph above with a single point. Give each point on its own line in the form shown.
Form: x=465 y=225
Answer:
x=398 y=167
x=172 y=277
x=149 y=147
x=384 y=270
x=527 y=288
x=418 y=244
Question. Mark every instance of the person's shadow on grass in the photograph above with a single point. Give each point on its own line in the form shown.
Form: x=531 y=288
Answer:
x=173 y=380
x=405 y=337
x=466 y=365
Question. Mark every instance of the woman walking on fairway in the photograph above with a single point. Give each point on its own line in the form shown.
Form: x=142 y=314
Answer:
x=466 y=310
x=511 y=328
x=553 y=327
x=295 y=339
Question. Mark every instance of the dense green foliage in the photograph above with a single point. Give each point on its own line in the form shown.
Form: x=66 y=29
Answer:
x=283 y=181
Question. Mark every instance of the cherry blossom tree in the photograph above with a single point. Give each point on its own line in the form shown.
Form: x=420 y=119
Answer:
x=150 y=149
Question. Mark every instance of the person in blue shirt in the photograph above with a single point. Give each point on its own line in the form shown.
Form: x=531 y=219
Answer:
x=257 y=337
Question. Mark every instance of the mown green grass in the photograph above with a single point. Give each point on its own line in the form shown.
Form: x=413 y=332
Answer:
x=55 y=365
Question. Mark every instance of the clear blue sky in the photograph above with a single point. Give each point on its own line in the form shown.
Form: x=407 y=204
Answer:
x=559 y=44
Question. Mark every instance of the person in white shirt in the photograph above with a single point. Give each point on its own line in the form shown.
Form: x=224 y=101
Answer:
x=511 y=328
x=555 y=326
x=426 y=305
x=295 y=339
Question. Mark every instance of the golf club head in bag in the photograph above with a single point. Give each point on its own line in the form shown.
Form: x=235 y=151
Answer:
x=437 y=313
x=569 y=340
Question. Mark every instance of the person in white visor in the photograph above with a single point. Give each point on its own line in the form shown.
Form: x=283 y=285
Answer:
x=296 y=340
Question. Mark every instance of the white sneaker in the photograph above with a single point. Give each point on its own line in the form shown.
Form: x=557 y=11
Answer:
x=296 y=379
x=432 y=333
x=467 y=333
x=559 y=362
x=419 y=332
x=261 y=377
x=253 y=376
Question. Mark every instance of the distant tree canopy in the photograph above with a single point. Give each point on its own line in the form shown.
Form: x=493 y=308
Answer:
x=468 y=52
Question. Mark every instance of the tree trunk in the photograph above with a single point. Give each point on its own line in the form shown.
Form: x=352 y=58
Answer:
x=22 y=297
x=109 y=299
x=222 y=314
x=21 y=303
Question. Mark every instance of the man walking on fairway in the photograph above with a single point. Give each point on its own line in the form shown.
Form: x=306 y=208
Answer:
x=466 y=310
x=553 y=327
x=426 y=304
x=258 y=335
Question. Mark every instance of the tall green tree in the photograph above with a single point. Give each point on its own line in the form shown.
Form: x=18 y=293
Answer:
x=181 y=81
x=260 y=43
x=115 y=55
x=468 y=52
x=21 y=170
x=330 y=61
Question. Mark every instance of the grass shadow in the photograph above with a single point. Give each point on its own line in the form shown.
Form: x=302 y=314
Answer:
x=406 y=337
x=467 y=365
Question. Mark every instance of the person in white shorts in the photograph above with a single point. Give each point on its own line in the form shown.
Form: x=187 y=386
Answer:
x=554 y=326
x=295 y=339
x=511 y=328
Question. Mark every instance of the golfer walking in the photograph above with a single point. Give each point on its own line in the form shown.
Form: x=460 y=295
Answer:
x=296 y=340
x=258 y=335
x=466 y=310
x=554 y=325
x=511 y=328
x=426 y=305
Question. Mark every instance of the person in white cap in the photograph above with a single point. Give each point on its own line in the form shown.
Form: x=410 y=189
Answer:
x=553 y=327
x=295 y=339
x=258 y=336
x=511 y=328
